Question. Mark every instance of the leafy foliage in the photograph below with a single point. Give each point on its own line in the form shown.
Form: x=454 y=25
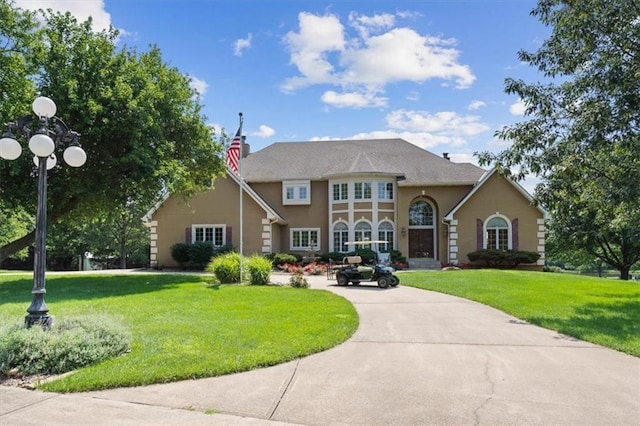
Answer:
x=226 y=268
x=279 y=259
x=298 y=280
x=140 y=120
x=581 y=135
x=259 y=269
x=70 y=344
x=503 y=258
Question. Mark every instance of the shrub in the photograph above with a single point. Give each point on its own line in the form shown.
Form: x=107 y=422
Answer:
x=200 y=254
x=70 y=344
x=334 y=256
x=226 y=268
x=259 y=268
x=279 y=259
x=180 y=253
x=396 y=255
x=298 y=280
x=503 y=258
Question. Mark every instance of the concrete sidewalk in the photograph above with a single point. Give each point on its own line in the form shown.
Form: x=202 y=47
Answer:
x=418 y=358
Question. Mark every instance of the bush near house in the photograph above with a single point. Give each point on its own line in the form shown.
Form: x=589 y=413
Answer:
x=279 y=259
x=502 y=258
x=197 y=255
x=259 y=268
x=226 y=268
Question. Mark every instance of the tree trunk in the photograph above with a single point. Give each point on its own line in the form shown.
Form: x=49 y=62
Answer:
x=624 y=272
x=15 y=246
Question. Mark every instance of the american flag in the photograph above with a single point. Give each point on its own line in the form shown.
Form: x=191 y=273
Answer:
x=233 y=153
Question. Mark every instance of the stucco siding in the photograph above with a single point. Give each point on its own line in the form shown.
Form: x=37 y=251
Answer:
x=497 y=197
x=215 y=207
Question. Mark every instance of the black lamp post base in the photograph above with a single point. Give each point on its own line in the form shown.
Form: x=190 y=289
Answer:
x=43 y=320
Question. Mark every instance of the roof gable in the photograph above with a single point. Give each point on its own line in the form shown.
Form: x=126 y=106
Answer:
x=270 y=212
x=483 y=180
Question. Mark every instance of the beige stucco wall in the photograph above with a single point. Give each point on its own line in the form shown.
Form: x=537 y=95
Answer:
x=297 y=216
x=220 y=206
x=498 y=196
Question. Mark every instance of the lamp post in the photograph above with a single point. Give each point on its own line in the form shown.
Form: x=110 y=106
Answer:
x=51 y=132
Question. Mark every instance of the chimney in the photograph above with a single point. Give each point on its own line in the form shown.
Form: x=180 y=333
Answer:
x=246 y=148
x=445 y=155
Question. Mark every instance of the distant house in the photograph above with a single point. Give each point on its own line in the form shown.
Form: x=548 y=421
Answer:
x=316 y=196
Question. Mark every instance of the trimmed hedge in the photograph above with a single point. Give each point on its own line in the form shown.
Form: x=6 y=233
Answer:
x=503 y=258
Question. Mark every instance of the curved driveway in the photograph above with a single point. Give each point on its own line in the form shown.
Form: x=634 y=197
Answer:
x=421 y=357
x=418 y=358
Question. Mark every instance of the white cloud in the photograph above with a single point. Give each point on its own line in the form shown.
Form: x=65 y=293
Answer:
x=241 y=44
x=440 y=122
x=475 y=104
x=318 y=36
x=200 y=86
x=353 y=100
x=81 y=10
x=323 y=53
x=264 y=132
x=367 y=24
x=518 y=108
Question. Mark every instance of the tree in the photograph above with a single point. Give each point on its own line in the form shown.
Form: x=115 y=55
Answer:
x=581 y=135
x=141 y=126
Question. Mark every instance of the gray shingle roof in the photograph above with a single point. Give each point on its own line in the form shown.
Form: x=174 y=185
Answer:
x=322 y=160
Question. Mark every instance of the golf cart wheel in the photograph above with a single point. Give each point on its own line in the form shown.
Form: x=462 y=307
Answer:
x=383 y=282
x=342 y=280
x=394 y=281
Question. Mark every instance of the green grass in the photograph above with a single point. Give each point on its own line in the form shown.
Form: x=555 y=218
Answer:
x=597 y=310
x=184 y=328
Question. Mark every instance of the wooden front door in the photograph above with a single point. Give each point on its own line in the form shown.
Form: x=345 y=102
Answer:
x=421 y=243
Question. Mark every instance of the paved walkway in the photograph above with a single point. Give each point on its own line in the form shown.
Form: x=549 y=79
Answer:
x=418 y=358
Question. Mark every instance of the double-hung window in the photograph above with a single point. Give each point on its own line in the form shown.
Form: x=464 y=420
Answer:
x=305 y=239
x=497 y=234
x=385 y=191
x=362 y=190
x=296 y=192
x=214 y=234
x=340 y=191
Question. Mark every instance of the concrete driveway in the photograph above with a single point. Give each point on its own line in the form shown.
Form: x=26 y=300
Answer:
x=418 y=358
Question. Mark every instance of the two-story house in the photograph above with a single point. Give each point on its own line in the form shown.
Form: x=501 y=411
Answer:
x=317 y=196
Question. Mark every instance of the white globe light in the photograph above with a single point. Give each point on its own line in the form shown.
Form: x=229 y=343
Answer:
x=41 y=145
x=52 y=160
x=74 y=156
x=10 y=149
x=44 y=107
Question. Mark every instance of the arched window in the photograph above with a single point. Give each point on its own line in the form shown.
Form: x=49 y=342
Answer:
x=421 y=214
x=385 y=233
x=340 y=237
x=497 y=233
x=362 y=231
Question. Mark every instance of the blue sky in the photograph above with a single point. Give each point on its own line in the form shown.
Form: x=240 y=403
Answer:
x=429 y=71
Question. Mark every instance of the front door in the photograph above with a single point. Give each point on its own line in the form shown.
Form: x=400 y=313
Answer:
x=421 y=243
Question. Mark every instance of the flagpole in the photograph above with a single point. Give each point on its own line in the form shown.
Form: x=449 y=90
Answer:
x=241 y=190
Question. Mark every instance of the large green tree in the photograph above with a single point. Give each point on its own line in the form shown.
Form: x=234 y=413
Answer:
x=581 y=134
x=141 y=125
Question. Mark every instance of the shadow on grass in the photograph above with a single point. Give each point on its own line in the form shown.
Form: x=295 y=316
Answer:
x=616 y=324
x=81 y=287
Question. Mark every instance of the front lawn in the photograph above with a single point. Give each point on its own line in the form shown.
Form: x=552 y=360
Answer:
x=601 y=311
x=184 y=328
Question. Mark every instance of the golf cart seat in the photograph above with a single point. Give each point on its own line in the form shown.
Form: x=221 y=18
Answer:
x=352 y=260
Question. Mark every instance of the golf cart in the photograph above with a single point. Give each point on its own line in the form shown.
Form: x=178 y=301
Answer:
x=352 y=270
